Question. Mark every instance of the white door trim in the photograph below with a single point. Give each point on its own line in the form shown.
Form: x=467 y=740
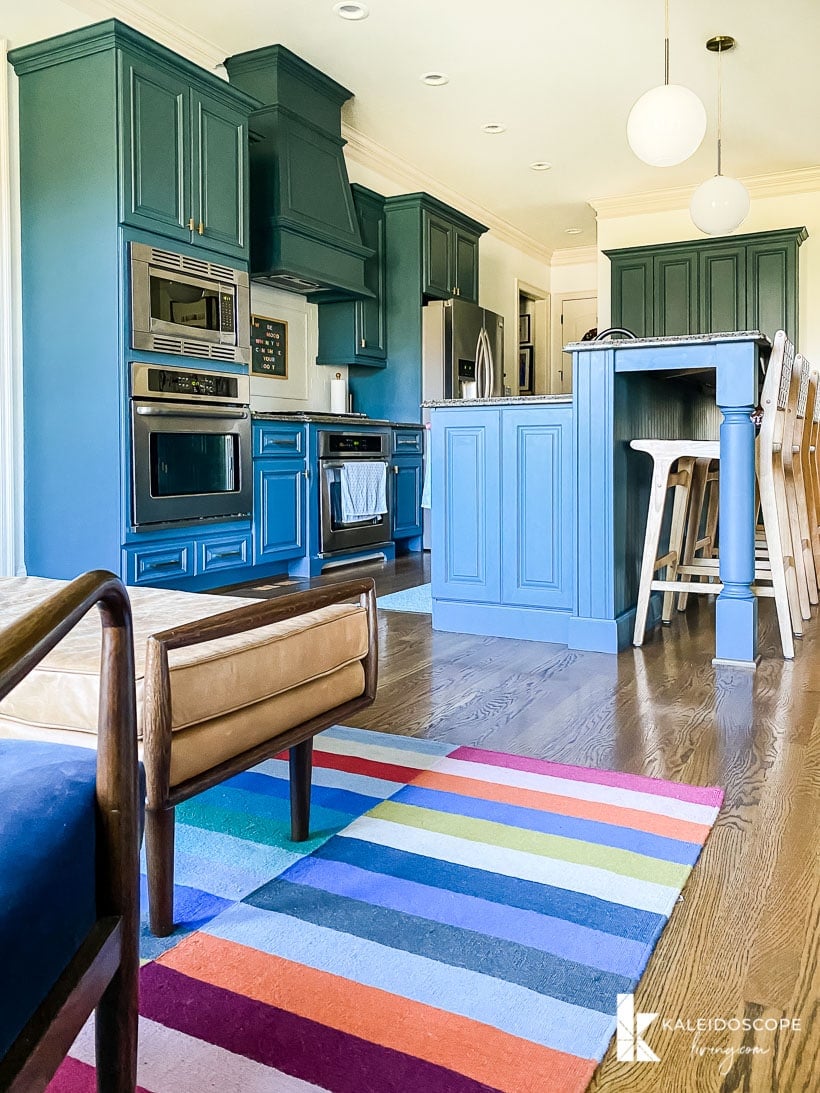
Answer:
x=11 y=403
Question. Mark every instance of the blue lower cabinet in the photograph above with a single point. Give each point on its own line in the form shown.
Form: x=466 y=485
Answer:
x=160 y=562
x=503 y=531
x=407 y=475
x=279 y=509
x=466 y=495
x=537 y=509
x=223 y=552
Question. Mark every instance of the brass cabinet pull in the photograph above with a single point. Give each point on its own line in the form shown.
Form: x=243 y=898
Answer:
x=364 y=343
x=191 y=224
x=395 y=469
x=201 y=228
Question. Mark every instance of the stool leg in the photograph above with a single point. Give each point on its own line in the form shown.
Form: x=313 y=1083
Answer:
x=654 y=521
x=680 y=504
x=159 y=851
x=301 y=766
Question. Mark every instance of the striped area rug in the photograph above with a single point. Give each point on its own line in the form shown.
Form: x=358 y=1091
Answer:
x=462 y=922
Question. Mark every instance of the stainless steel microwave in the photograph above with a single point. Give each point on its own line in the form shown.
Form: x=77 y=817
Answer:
x=188 y=306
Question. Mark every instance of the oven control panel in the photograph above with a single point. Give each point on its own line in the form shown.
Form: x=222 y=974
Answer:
x=188 y=384
x=350 y=444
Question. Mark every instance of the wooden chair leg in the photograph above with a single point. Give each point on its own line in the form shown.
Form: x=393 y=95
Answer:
x=301 y=768
x=654 y=523
x=116 y=1028
x=697 y=495
x=159 y=852
x=677 y=529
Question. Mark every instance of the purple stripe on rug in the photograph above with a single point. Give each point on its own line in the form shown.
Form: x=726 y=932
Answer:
x=295 y=1045
x=639 y=783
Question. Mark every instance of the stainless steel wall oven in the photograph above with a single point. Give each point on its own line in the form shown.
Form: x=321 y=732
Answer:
x=190 y=446
x=189 y=306
x=337 y=535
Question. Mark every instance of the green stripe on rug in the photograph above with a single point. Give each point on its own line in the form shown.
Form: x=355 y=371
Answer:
x=625 y=862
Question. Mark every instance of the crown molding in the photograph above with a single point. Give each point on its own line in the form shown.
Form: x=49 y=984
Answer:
x=369 y=153
x=783 y=183
x=574 y=256
x=155 y=25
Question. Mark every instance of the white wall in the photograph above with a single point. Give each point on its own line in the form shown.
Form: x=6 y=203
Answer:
x=766 y=214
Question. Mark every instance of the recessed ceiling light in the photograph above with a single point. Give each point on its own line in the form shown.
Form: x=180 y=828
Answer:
x=351 y=9
x=573 y=231
x=540 y=165
x=434 y=79
x=493 y=128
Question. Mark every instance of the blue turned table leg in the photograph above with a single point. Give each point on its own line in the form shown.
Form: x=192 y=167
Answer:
x=736 y=612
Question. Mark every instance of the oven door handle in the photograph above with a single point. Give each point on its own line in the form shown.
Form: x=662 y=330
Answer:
x=157 y=411
x=333 y=466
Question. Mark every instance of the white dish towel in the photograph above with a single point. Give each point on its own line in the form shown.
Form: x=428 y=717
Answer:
x=363 y=490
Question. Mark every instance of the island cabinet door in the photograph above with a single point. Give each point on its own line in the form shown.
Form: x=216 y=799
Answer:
x=537 y=512
x=466 y=503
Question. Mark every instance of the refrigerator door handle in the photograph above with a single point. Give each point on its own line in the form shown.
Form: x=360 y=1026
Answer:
x=479 y=365
x=489 y=365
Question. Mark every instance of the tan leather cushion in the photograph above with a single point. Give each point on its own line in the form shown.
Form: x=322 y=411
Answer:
x=212 y=680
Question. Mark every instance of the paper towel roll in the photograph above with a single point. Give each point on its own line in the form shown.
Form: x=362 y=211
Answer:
x=338 y=395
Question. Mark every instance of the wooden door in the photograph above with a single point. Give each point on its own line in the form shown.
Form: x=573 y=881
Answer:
x=577 y=317
x=676 y=294
x=465 y=265
x=771 y=287
x=371 y=335
x=438 y=280
x=406 y=497
x=220 y=140
x=632 y=295
x=722 y=292
x=156 y=149
x=279 y=510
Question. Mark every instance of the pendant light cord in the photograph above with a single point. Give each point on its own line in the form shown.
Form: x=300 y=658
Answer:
x=666 y=43
x=719 y=110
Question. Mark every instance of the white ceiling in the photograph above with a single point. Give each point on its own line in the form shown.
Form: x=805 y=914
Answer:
x=561 y=77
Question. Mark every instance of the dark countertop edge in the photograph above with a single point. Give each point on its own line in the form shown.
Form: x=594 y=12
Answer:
x=318 y=418
x=502 y=400
x=683 y=339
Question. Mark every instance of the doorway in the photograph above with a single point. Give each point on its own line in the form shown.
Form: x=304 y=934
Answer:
x=530 y=372
x=574 y=315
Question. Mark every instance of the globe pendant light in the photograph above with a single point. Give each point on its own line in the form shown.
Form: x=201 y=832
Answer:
x=667 y=124
x=720 y=204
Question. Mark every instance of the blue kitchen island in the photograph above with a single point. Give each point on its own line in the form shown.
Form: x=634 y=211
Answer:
x=539 y=503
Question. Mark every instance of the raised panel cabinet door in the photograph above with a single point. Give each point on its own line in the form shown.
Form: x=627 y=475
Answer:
x=771 y=287
x=466 y=496
x=465 y=262
x=406 y=498
x=438 y=272
x=278 y=510
x=156 y=149
x=370 y=313
x=220 y=141
x=537 y=511
x=722 y=293
x=675 y=279
x=633 y=303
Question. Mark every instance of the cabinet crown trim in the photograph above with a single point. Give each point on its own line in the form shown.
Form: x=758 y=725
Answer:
x=799 y=234
x=439 y=208
x=113 y=34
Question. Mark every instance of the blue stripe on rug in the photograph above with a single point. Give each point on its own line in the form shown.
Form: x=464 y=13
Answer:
x=524 y=965
x=262 y=785
x=378 y=788
x=598 y=914
x=538 y=1018
x=367 y=737
x=563 y=939
x=551 y=823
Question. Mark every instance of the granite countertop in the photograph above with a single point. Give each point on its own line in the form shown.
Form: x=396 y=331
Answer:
x=683 y=339
x=502 y=400
x=320 y=417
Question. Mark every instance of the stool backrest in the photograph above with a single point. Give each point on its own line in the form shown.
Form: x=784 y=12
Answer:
x=777 y=388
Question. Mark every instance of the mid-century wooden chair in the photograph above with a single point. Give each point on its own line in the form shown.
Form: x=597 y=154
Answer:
x=69 y=849
x=674 y=465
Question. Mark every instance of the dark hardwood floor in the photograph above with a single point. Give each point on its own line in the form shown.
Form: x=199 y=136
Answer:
x=743 y=943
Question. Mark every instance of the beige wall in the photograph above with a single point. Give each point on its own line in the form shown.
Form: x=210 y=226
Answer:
x=766 y=214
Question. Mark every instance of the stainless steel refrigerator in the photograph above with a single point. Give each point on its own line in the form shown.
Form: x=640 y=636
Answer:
x=463 y=358
x=463 y=351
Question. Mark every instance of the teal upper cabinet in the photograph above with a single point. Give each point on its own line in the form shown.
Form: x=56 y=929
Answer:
x=450 y=258
x=184 y=154
x=742 y=282
x=431 y=253
x=355 y=331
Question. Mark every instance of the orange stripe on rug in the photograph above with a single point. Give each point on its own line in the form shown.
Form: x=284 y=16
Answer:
x=634 y=818
x=486 y=1054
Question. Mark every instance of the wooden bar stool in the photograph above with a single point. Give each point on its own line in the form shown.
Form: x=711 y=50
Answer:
x=775 y=573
